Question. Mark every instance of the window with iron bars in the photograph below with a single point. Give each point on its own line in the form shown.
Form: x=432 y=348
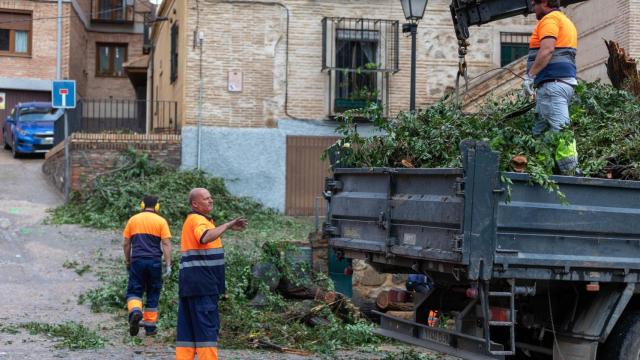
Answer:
x=358 y=55
x=513 y=46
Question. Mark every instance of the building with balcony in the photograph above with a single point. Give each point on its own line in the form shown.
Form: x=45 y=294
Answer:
x=98 y=38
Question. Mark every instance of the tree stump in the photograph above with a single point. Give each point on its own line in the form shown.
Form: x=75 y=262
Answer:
x=622 y=70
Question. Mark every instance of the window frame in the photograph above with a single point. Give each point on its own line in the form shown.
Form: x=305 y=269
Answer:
x=523 y=43
x=374 y=45
x=112 y=73
x=12 y=35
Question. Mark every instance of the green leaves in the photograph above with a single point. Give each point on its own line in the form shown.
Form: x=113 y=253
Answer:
x=70 y=335
x=604 y=121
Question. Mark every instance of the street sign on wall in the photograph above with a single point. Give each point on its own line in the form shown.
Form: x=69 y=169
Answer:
x=63 y=94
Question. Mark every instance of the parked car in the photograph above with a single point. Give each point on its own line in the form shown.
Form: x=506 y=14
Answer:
x=29 y=128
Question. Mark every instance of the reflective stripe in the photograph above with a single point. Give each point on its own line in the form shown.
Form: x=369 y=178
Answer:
x=151 y=310
x=196 y=344
x=133 y=298
x=134 y=304
x=150 y=316
x=214 y=251
x=193 y=263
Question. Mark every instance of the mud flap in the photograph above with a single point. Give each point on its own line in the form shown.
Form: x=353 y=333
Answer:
x=575 y=349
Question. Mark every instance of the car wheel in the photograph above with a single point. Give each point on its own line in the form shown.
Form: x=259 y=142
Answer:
x=4 y=140
x=15 y=153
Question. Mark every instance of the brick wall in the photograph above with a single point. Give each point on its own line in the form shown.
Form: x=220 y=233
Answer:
x=256 y=46
x=115 y=87
x=78 y=48
x=95 y=154
x=42 y=62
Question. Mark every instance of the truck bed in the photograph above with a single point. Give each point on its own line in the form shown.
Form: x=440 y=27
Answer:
x=461 y=222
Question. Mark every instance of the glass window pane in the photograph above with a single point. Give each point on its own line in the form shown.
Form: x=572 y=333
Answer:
x=119 y=61
x=4 y=39
x=103 y=60
x=105 y=9
x=22 y=42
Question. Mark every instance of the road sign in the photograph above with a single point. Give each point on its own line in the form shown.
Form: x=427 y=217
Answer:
x=63 y=94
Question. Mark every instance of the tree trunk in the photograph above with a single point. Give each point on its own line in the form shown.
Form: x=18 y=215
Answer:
x=622 y=70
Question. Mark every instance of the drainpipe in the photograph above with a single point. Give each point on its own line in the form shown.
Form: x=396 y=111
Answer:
x=198 y=39
x=200 y=35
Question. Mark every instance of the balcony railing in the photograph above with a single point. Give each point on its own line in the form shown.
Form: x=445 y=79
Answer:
x=112 y=11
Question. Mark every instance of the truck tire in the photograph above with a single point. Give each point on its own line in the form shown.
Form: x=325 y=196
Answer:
x=624 y=341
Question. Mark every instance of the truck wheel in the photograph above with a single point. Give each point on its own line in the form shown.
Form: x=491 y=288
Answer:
x=624 y=341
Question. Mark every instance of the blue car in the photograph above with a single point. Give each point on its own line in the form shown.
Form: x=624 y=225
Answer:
x=29 y=128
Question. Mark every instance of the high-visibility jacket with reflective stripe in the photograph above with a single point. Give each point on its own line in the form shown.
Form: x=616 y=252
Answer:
x=563 y=61
x=201 y=265
x=146 y=230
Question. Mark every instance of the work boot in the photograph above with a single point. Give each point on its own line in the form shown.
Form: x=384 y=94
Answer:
x=134 y=322
x=150 y=330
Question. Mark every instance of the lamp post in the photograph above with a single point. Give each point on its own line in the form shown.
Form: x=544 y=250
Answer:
x=413 y=12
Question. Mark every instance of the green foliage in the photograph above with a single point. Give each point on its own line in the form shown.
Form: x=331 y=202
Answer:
x=70 y=335
x=116 y=196
x=9 y=329
x=77 y=267
x=410 y=355
x=241 y=323
x=604 y=121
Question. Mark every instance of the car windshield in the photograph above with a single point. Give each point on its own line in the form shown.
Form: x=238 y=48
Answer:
x=39 y=114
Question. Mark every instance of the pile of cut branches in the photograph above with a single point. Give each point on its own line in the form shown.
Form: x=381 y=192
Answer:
x=604 y=121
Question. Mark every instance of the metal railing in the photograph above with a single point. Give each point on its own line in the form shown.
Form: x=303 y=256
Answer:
x=120 y=116
x=113 y=11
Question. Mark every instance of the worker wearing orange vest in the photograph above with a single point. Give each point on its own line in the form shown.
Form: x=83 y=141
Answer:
x=201 y=280
x=146 y=239
x=551 y=76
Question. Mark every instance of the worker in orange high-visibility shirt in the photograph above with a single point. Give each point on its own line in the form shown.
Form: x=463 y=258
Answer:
x=201 y=281
x=146 y=239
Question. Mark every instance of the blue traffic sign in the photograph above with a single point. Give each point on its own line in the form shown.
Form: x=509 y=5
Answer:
x=63 y=94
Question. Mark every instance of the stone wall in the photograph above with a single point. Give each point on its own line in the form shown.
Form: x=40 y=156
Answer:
x=95 y=154
x=277 y=49
x=366 y=283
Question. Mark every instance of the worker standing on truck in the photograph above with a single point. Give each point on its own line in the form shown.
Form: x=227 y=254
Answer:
x=551 y=76
x=146 y=239
x=201 y=280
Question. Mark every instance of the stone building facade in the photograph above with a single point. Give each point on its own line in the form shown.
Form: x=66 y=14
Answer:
x=617 y=20
x=246 y=75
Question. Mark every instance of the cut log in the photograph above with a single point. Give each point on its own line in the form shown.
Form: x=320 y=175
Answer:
x=621 y=69
x=383 y=301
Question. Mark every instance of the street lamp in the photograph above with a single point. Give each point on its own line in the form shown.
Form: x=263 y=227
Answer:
x=413 y=12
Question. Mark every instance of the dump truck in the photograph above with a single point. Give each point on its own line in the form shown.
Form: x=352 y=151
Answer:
x=515 y=272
